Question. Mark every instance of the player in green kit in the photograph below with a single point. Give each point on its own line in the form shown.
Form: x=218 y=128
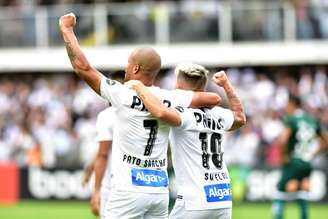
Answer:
x=298 y=143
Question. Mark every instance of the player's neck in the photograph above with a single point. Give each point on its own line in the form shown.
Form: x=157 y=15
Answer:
x=147 y=82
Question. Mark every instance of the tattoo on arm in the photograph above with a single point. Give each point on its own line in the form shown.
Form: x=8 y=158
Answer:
x=70 y=52
x=236 y=107
x=234 y=100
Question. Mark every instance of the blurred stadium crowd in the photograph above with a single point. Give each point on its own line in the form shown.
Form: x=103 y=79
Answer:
x=56 y=2
x=49 y=119
x=196 y=20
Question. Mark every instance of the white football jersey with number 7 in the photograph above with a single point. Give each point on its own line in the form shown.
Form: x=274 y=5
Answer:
x=140 y=142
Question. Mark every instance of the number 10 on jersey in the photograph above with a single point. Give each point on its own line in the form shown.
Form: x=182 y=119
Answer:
x=215 y=149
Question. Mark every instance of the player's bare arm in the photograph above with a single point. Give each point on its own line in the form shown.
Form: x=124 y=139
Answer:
x=78 y=60
x=154 y=105
x=99 y=167
x=205 y=99
x=323 y=146
x=221 y=79
x=88 y=172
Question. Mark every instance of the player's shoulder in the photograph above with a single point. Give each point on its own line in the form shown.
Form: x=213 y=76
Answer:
x=311 y=119
x=219 y=111
x=218 y=108
x=112 y=88
x=187 y=109
x=162 y=93
x=302 y=116
x=310 y=116
x=171 y=92
x=108 y=83
x=215 y=111
x=158 y=91
x=112 y=82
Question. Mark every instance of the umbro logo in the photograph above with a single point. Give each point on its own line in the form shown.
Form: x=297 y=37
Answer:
x=180 y=109
x=110 y=82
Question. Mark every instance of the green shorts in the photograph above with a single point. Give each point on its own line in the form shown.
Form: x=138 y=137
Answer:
x=294 y=169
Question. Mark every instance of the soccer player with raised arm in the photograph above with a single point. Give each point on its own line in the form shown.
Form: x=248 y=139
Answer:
x=198 y=157
x=297 y=143
x=139 y=185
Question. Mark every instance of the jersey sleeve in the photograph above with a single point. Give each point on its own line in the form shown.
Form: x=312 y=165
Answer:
x=113 y=91
x=184 y=116
x=182 y=98
x=225 y=115
x=104 y=127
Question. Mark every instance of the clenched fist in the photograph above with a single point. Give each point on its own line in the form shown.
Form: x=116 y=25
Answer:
x=67 y=21
x=220 y=78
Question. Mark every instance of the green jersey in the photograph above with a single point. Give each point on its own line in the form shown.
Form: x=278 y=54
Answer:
x=303 y=139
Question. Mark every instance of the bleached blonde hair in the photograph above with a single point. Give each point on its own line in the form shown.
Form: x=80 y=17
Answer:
x=193 y=74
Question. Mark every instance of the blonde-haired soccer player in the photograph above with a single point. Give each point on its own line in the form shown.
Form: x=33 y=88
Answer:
x=198 y=159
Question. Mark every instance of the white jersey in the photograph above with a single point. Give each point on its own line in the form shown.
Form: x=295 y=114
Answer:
x=139 y=141
x=198 y=158
x=104 y=129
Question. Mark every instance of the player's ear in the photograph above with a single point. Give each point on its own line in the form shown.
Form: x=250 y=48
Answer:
x=136 y=68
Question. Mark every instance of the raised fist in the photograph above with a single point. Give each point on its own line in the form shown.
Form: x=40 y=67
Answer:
x=220 y=78
x=67 y=21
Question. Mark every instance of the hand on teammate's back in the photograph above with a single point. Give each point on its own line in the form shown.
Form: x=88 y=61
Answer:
x=67 y=21
x=133 y=84
x=220 y=78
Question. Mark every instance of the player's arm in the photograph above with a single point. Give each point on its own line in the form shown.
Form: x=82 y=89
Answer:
x=154 y=105
x=221 y=79
x=100 y=165
x=281 y=142
x=78 y=60
x=88 y=172
x=323 y=146
x=101 y=162
x=205 y=99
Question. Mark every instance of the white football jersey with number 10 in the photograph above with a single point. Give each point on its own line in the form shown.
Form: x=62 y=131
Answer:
x=140 y=142
x=202 y=177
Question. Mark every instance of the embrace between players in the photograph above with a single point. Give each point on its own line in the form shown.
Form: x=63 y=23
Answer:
x=141 y=120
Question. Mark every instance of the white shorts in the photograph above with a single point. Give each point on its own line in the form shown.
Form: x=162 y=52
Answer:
x=104 y=194
x=130 y=205
x=179 y=212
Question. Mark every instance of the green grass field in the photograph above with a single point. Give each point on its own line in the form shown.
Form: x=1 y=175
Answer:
x=80 y=210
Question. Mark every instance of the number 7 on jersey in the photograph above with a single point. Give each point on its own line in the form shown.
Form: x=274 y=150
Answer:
x=152 y=125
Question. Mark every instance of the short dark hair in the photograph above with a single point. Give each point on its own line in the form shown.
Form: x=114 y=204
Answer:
x=295 y=100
